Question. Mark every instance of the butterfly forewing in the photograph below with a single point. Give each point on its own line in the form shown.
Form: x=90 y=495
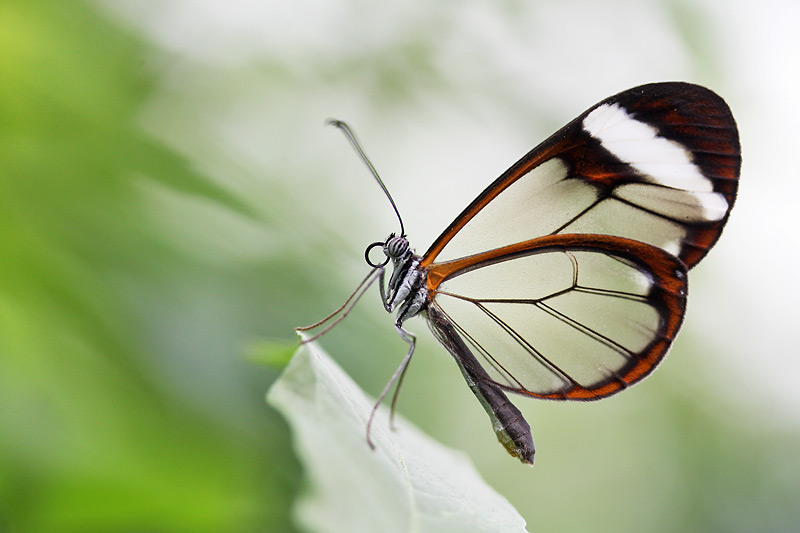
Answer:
x=658 y=164
x=566 y=316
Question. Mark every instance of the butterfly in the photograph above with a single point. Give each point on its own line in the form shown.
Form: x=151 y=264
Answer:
x=566 y=278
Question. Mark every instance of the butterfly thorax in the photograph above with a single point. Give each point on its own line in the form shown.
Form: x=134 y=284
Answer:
x=406 y=290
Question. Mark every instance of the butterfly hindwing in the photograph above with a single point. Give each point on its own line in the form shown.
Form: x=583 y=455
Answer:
x=574 y=316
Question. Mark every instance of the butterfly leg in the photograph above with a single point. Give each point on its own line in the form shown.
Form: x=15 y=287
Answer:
x=384 y=298
x=411 y=339
x=414 y=299
x=345 y=308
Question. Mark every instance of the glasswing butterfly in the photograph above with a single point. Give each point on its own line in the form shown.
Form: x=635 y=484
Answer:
x=566 y=279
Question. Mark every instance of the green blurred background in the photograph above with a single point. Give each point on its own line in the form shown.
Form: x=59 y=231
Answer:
x=170 y=200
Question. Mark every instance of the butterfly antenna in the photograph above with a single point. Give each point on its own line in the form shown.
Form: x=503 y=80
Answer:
x=352 y=138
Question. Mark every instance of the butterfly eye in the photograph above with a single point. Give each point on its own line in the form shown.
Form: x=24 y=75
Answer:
x=395 y=247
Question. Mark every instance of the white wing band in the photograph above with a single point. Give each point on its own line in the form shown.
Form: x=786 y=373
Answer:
x=661 y=161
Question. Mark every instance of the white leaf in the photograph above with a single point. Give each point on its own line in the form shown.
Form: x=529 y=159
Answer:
x=408 y=483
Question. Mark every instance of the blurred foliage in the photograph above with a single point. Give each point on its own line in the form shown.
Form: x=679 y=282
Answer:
x=91 y=437
x=272 y=352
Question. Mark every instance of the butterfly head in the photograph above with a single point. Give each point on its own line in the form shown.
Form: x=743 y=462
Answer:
x=395 y=247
